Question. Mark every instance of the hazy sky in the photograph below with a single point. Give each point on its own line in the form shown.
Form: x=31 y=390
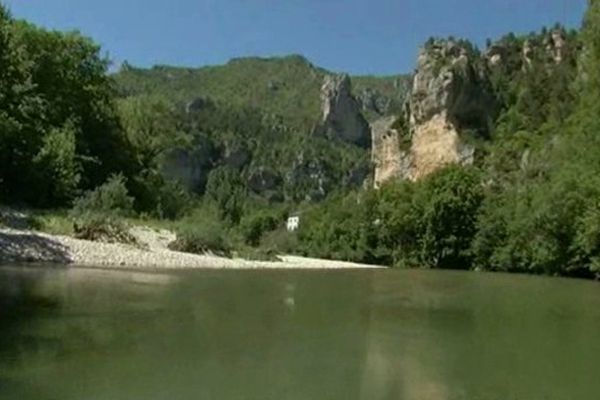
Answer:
x=358 y=36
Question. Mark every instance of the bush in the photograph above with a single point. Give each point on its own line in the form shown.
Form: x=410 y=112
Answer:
x=111 y=198
x=280 y=242
x=258 y=254
x=227 y=190
x=99 y=214
x=103 y=228
x=201 y=233
x=57 y=166
x=340 y=229
x=173 y=200
x=161 y=198
x=254 y=226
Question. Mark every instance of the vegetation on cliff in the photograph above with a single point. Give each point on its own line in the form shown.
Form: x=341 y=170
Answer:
x=530 y=201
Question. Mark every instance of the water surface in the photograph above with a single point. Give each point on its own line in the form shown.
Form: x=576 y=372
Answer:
x=296 y=335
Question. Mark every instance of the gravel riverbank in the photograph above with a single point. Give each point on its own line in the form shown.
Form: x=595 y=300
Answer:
x=18 y=246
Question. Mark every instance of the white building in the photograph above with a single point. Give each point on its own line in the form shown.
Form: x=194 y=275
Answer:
x=293 y=223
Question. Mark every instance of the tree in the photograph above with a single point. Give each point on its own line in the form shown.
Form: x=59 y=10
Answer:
x=432 y=223
x=72 y=84
x=58 y=167
x=227 y=190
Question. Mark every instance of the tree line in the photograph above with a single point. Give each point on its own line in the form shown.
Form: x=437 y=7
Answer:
x=70 y=138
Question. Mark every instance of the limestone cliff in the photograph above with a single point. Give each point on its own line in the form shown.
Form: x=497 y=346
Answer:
x=514 y=54
x=341 y=112
x=385 y=156
x=450 y=98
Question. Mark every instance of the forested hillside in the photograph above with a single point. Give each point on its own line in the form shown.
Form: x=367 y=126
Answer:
x=288 y=87
x=230 y=151
x=528 y=200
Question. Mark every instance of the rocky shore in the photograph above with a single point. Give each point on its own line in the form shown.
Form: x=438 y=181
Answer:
x=24 y=246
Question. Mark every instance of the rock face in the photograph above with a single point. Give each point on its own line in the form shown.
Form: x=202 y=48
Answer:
x=185 y=167
x=550 y=47
x=190 y=166
x=342 y=118
x=371 y=100
x=557 y=45
x=450 y=98
x=385 y=155
x=450 y=82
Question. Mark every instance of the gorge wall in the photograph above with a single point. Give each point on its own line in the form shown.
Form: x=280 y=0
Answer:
x=341 y=112
x=450 y=96
x=452 y=103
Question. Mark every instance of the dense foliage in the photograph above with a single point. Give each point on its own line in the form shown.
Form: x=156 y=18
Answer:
x=531 y=202
x=100 y=214
x=288 y=86
x=59 y=128
x=230 y=153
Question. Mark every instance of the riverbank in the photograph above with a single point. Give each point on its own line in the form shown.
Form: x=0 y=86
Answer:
x=27 y=246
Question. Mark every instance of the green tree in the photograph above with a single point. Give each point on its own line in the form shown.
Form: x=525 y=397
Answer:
x=227 y=190
x=442 y=225
x=72 y=84
x=58 y=167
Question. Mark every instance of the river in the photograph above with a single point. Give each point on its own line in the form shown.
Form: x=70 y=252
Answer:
x=296 y=335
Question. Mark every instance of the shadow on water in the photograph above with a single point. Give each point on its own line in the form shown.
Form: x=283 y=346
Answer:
x=20 y=305
x=27 y=247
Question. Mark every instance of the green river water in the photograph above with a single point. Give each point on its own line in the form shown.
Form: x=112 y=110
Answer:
x=296 y=335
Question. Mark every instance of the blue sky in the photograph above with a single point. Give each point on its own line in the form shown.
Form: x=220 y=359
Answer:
x=357 y=36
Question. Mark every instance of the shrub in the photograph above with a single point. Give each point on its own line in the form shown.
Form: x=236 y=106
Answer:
x=161 y=198
x=103 y=228
x=254 y=226
x=111 y=198
x=227 y=190
x=57 y=166
x=258 y=254
x=202 y=232
x=173 y=200
x=99 y=214
x=340 y=229
x=280 y=242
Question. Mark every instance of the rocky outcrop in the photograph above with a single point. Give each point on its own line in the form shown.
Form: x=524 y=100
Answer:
x=386 y=155
x=342 y=118
x=307 y=180
x=450 y=96
x=371 y=100
x=190 y=166
x=435 y=144
x=450 y=82
x=549 y=47
x=556 y=45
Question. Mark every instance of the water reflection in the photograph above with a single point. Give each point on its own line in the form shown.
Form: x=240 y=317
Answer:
x=456 y=336
x=229 y=335
x=20 y=306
